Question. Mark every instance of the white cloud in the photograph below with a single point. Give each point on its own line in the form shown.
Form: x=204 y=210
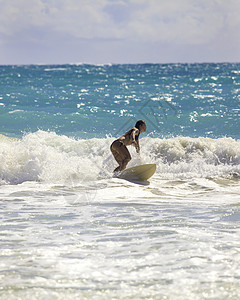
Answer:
x=174 y=22
x=185 y=21
x=17 y=15
x=84 y=18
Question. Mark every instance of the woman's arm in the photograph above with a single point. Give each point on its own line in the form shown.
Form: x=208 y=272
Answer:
x=135 y=139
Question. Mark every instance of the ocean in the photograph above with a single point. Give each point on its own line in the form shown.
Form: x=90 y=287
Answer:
x=70 y=230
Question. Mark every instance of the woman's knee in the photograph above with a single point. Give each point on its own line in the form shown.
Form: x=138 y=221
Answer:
x=127 y=159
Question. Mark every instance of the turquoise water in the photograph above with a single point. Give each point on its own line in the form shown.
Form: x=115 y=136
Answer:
x=69 y=230
x=95 y=101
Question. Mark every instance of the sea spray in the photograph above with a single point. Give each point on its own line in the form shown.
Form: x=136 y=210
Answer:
x=48 y=157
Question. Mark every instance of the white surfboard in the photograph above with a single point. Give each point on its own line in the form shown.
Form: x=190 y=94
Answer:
x=138 y=173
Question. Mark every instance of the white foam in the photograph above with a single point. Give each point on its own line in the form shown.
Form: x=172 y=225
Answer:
x=48 y=157
x=194 y=157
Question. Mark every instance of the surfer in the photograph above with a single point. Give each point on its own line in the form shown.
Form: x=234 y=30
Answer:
x=131 y=137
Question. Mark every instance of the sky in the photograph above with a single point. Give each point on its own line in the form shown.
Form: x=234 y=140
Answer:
x=119 y=31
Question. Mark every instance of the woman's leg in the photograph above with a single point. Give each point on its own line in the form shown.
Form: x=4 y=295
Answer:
x=121 y=154
x=126 y=157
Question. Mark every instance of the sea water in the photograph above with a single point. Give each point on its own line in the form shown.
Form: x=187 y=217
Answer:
x=69 y=230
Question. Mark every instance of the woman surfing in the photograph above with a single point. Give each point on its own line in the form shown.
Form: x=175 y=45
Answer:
x=131 y=137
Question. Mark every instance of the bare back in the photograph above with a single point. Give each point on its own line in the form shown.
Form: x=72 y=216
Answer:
x=130 y=137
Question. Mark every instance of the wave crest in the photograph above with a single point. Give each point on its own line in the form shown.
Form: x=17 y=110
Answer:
x=48 y=157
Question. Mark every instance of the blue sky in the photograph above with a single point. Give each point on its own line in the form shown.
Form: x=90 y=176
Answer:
x=119 y=31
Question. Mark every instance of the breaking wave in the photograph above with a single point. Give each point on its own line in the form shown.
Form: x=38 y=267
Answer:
x=51 y=158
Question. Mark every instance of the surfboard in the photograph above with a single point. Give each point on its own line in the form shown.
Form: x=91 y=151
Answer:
x=138 y=173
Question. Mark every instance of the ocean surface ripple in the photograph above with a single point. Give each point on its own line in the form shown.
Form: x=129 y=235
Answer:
x=70 y=230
